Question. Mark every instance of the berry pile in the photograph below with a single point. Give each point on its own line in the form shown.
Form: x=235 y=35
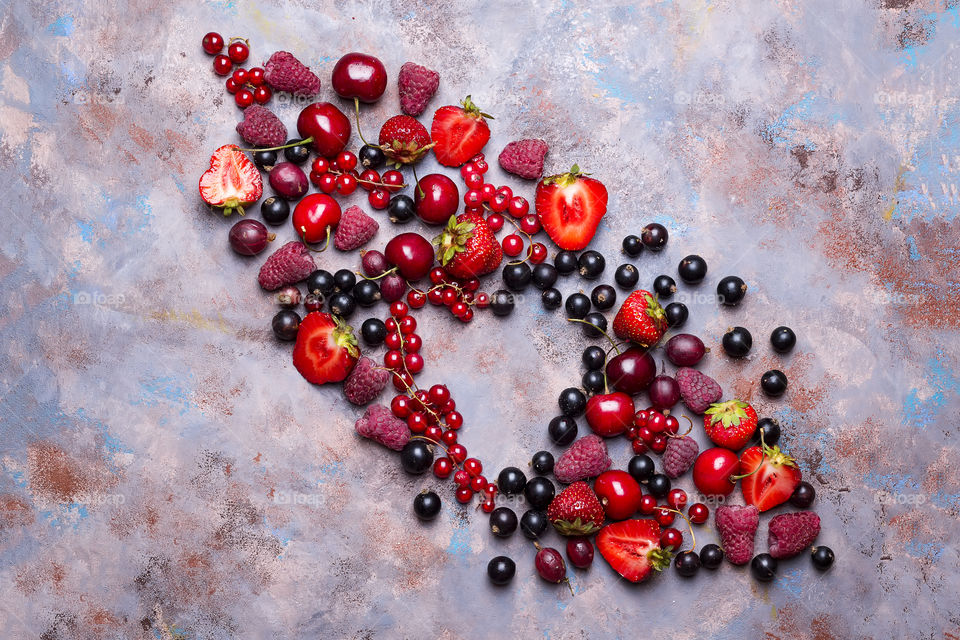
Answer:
x=628 y=515
x=247 y=86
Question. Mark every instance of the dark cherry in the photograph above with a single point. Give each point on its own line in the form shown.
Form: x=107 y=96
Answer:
x=328 y=127
x=436 y=198
x=664 y=392
x=411 y=254
x=632 y=371
x=360 y=76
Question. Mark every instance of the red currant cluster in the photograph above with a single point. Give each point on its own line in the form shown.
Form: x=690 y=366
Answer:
x=340 y=175
x=246 y=85
x=650 y=430
x=458 y=297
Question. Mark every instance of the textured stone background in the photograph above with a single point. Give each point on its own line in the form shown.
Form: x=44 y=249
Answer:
x=151 y=426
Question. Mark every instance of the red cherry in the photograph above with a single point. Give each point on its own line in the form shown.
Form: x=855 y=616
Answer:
x=671 y=538
x=436 y=198
x=609 y=414
x=473 y=466
x=411 y=253
x=416 y=298
x=232 y=85
x=238 y=51
x=458 y=453
x=212 y=43
x=647 y=504
x=315 y=216
x=392 y=180
x=400 y=406
x=262 y=95
x=664 y=516
x=222 y=65
x=512 y=245
x=454 y=420
x=379 y=199
x=414 y=362
x=327 y=125
x=360 y=76
x=619 y=494
x=442 y=468
x=464 y=495
x=255 y=76
x=677 y=498
x=712 y=471
x=698 y=513
x=243 y=98
x=518 y=207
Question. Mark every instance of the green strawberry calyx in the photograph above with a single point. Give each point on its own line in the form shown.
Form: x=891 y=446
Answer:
x=473 y=110
x=729 y=414
x=576 y=527
x=344 y=337
x=564 y=180
x=654 y=311
x=453 y=239
x=659 y=558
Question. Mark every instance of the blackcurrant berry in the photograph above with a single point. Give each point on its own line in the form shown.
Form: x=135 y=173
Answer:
x=344 y=279
x=626 y=276
x=366 y=293
x=426 y=505
x=416 y=457
x=342 y=304
x=692 y=269
x=687 y=563
x=542 y=462
x=803 y=496
x=596 y=325
x=401 y=209
x=711 y=556
x=320 y=282
x=565 y=262
x=730 y=290
x=763 y=567
x=371 y=157
x=654 y=236
x=501 y=570
x=511 y=481
x=501 y=302
x=659 y=485
x=265 y=159
x=592 y=381
x=551 y=299
x=539 y=492
x=676 y=314
x=275 y=210
x=562 y=430
x=770 y=429
x=503 y=522
x=665 y=286
x=374 y=332
x=591 y=264
x=593 y=358
x=572 y=402
x=544 y=275
x=822 y=557
x=603 y=297
x=517 y=276
x=773 y=383
x=783 y=339
x=577 y=306
x=533 y=523
x=297 y=154
x=632 y=246
x=641 y=467
x=286 y=324
x=737 y=342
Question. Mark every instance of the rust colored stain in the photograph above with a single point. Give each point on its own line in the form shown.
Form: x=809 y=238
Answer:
x=141 y=137
x=14 y=512
x=47 y=576
x=54 y=474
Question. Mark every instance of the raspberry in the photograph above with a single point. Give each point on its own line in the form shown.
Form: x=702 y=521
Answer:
x=365 y=382
x=524 y=158
x=289 y=264
x=260 y=127
x=417 y=85
x=586 y=458
x=679 y=456
x=791 y=533
x=355 y=229
x=737 y=526
x=284 y=72
x=698 y=390
x=380 y=425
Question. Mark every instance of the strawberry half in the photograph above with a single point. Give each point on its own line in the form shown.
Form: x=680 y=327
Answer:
x=459 y=133
x=632 y=548
x=326 y=349
x=570 y=206
x=730 y=424
x=770 y=476
x=640 y=319
x=576 y=511
x=467 y=248
x=232 y=182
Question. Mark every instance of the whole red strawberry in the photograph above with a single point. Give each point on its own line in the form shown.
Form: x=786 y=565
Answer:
x=576 y=511
x=770 y=476
x=570 y=207
x=326 y=349
x=730 y=424
x=459 y=133
x=467 y=248
x=404 y=140
x=640 y=319
x=232 y=181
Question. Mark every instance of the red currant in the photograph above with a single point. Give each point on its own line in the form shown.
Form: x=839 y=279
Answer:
x=495 y=222
x=439 y=395
x=390 y=324
x=672 y=425
x=478 y=484
x=664 y=516
x=505 y=192
x=518 y=207
x=240 y=75
x=656 y=421
x=468 y=170
x=512 y=245
x=416 y=298
x=417 y=422
x=420 y=398
x=487 y=191
x=480 y=163
x=645 y=435
x=232 y=85
x=473 y=466
x=369 y=179
x=400 y=406
x=466 y=316
x=471 y=285
x=392 y=180
x=222 y=65
x=472 y=198
x=393 y=359
x=414 y=362
x=491 y=489
x=449 y=437
x=255 y=76
x=212 y=43
x=474 y=181
x=538 y=253
x=399 y=309
x=498 y=204
x=442 y=468
x=458 y=453
x=379 y=199
x=631 y=433
x=698 y=513
x=459 y=309
x=464 y=495
x=659 y=443
x=648 y=504
x=483 y=300
x=639 y=446
x=677 y=498
x=451 y=405
x=433 y=432
x=671 y=538
x=412 y=343
x=328 y=183
x=238 y=51
x=454 y=420
x=347 y=160
x=461 y=478
x=449 y=296
x=346 y=183
x=640 y=418
x=437 y=275
x=488 y=505
x=393 y=341
x=320 y=165
x=530 y=223
x=402 y=380
x=262 y=95
x=407 y=325
x=315 y=178
x=243 y=98
x=435 y=296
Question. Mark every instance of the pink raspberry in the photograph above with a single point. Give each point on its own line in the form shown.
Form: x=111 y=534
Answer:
x=737 y=527
x=791 y=533
x=679 y=456
x=365 y=382
x=284 y=72
x=260 y=127
x=417 y=85
x=524 y=158
x=289 y=264
x=698 y=390
x=586 y=458
x=380 y=425
x=355 y=229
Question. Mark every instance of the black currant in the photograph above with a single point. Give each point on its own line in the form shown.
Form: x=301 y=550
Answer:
x=572 y=402
x=632 y=245
x=517 y=276
x=401 y=209
x=577 y=306
x=544 y=275
x=641 y=467
x=822 y=557
x=770 y=429
x=659 y=485
x=603 y=297
x=297 y=154
x=773 y=383
x=265 y=159
x=626 y=276
x=687 y=563
x=371 y=157
x=503 y=522
x=366 y=293
x=501 y=302
x=286 y=324
x=344 y=279
x=426 y=505
x=592 y=381
x=416 y=457
x=342 y=304
x=593 y=358
x=533 y=523
x=596 y=324
x=320 y=282
x=676 y=314
x=551 y=299
x=562 y=430
x=783 y=339
x=275 y=210
x=737 y=342
x=501 y=570
x=374 y=331
x=542 y=462
x=665 y=286
x=730 y=290
x=803 y=496
x=591 y=264
x=511 y=481
x=692 y=269
x=539 y=492
x=565 y=262
x=654 y=236
x=711 y=556
x=763 y=567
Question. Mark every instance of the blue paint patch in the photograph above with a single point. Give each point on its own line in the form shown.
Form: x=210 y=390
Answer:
x=912 y=248
x=930 y=550
x=791 y=582
x=168 y=389
x=62 y=26
x=460 y=539
x=86 y=231
x=921 y=413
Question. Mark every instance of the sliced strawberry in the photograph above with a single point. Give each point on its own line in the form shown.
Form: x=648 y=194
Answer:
x=632 y=548
x=570 y=206
x=326 y=349
x=232 y=182
x=459 y=133
x=770 y=476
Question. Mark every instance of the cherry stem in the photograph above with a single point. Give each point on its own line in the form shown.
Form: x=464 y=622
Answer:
x=686 y=433
x=303 y=238
x=605 y=334
x=356 y=106
x=413 y=167
x=385 y=273
x=763 y=456
x=286 y=146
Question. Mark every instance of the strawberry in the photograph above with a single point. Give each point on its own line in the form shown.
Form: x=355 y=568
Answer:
x=467 y=248
x=404 y=140
x=232 y=181
x=570 y=206
x=730 y=424
x=326 y=349
x=459 y=133
x=576 y=511
x=632 y=548
x=770 y=476
x=640 y=319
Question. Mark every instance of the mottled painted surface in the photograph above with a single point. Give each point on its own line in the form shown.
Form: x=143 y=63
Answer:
x=161 y=456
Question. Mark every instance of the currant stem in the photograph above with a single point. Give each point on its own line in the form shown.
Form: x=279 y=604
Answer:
x=693 y=537
x=686 y=433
